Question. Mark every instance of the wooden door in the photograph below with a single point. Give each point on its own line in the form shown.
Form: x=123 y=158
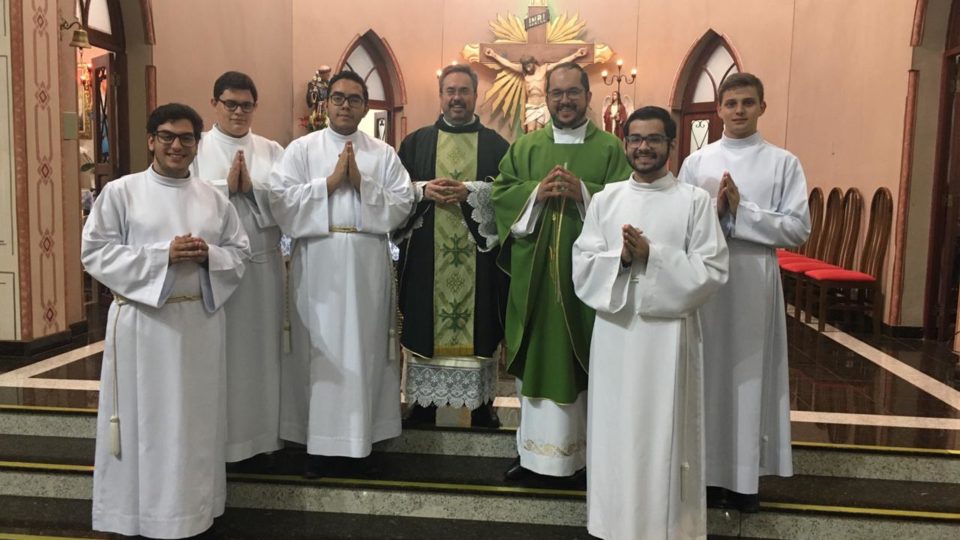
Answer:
x=105 y=136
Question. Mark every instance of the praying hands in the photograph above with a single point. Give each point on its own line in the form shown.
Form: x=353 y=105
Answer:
x=345 y=171
x=445 y=191
x=728 y=198
x=560 y=182
x=186 y=248
x=238 y=179
x=636 y=247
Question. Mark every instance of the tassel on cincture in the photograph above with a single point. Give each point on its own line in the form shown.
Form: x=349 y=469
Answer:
x=115 y=435
x=287 y=338
x=393 y=345
x=684 y=469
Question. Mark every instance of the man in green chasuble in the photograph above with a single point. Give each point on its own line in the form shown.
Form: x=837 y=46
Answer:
x=452 y=295
x=540 y=198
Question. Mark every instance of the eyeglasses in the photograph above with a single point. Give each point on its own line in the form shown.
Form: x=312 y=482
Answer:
x=167 y=137
x=354 y=100
x=231 y=105
x=652 y=140
x=571 y=93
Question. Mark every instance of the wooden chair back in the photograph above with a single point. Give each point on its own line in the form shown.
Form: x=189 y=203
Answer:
x=815 y=201
x=850 y=234
x=828 y=246
x=878 y=233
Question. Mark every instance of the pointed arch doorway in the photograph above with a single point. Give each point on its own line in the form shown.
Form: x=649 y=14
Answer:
x=370 y=56
x=694 y=100
x=103 y=101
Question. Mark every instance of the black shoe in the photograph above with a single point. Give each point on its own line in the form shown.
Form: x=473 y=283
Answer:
x=485 y=416
x=314 y=466
x=516 y=472
x=746 y=503
x=718 y=497
x=420 y=415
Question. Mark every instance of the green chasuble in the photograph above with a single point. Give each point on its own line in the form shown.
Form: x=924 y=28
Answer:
x=547 y=327
x=455 y=260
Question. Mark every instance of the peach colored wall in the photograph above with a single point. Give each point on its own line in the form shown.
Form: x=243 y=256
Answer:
x=848 y=86
x=835 y=71
x=197 y=41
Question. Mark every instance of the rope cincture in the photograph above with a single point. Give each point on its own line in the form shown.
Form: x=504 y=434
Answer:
x=120 y=301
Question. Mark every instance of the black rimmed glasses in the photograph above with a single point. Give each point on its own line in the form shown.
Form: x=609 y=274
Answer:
x=167 y=137
x=652 y=140
x=571 y=93
x=231 y=105
x=354 y=100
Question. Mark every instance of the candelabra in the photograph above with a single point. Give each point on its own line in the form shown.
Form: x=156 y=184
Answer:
x=620 y=77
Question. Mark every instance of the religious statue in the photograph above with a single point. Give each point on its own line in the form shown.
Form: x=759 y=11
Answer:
x=522 y=52
x=534 y=76
x=616 y=109
x=317 y=91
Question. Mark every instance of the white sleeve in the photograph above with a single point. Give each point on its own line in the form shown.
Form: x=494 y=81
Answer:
x=136 y=272
x=299 y=204
x=386 y=203
x=598 y=278
x=786 y=225
x=678 y=281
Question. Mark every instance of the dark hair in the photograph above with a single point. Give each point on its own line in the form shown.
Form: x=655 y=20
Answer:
x=351 y=76
x=740 y=80
x=653 y=113
x=458 y=68
x=584 y=79
x=234 y=80
x=172 y=112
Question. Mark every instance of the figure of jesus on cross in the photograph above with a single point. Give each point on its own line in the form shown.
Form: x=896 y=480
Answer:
x=535 y=79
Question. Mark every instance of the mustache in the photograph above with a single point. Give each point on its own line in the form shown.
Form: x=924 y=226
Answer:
x=457 y=103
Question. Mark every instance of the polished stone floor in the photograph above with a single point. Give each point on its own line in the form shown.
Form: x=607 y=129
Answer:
x=846 y=388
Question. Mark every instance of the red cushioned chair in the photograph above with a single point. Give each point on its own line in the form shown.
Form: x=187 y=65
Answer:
x=817 y=249
x=837 y=249
x=806 y=250
x=850 y=290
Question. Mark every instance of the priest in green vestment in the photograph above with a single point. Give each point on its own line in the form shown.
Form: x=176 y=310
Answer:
x=540 y=198
x=452 y=294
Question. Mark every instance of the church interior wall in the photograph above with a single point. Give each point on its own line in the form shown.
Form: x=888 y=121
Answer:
x=835 y=74
x=9 y=253
x=197 y=41
x=43 y=238
x=928 y=61
x=139 y=57
x=70 y=181
x=848 y=90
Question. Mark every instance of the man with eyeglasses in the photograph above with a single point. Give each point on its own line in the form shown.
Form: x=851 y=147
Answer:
x=452 y=295
x=540 y=198
x=238 y=162
x=761 y=198
x=172 y=250
x=650 y=254
x=339 y=193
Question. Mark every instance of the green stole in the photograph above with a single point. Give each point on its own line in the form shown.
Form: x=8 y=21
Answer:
x=455 y=255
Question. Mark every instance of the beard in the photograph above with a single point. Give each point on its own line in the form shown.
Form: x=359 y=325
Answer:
x=661 y=160
x=577 y=121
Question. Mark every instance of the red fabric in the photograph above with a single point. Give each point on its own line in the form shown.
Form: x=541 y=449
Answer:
x=806 y=266
x=839 y=274
x=784 y=254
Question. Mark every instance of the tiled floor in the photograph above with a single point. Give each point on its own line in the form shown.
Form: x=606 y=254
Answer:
x=845 y=388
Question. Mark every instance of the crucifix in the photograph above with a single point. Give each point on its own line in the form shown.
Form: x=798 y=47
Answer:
x=532 y=60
